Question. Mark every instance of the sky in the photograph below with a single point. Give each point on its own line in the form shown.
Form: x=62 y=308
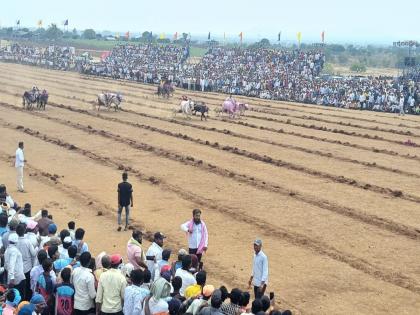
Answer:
x=348 y=21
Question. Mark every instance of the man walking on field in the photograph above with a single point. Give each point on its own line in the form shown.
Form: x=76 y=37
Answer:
x=197 y=234
x=125 y=200
x=19 y=164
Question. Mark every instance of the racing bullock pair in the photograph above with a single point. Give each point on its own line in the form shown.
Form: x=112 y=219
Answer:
x=189 y=107
x=232 y=108
x=109 y=99
x=29 y=98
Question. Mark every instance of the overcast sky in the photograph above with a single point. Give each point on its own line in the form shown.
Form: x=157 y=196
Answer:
x=343 y=20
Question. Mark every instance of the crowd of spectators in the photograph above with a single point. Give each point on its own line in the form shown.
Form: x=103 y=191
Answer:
x=51 y=270
x=144 y=63
x=52 y=57
x=278 y=74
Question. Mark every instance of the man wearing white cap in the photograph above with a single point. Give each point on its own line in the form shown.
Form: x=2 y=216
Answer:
x=259 y=276
x=13 y=263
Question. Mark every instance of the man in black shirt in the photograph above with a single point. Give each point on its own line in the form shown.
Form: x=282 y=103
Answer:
x=125 y=200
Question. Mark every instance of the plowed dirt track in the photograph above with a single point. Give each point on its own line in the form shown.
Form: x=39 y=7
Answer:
x=334 y=194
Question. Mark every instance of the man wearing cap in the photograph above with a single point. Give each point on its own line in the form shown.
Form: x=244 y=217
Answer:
x=32 y=235
x=178 y=264
x=19 y=164
x=154 y=253
x=197 y=234
x=215 y=303
x=259 y=276
x=13 y=263
x=111 y=288
x=51 y=238
x=12 y=230
x=135 y=252
x=63 y=248
x=125 y=200
x=201 y=302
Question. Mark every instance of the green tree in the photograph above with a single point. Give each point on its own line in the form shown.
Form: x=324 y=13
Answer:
x=53 y=32
x=336 y=48
x=342 y=59
x=75 y=34
x=89 y=34
x=264 y=43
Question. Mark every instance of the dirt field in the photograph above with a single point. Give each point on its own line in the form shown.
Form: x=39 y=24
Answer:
x=334 y=194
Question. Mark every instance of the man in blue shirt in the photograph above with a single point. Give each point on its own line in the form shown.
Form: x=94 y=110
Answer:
x=259 y=276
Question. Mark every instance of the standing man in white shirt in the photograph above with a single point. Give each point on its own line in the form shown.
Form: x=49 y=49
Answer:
x=84 y=286
x=19 y=164
x=28 y=252
x=197 y=234
x=401 y=107
x=259 y=276
x=13 y=263
x=154 y=253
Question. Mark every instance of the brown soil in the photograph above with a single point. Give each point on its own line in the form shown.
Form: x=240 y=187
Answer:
x=333 y=193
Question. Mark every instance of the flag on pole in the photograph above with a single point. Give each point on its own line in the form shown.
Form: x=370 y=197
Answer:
x=299 y=37
x=66 y=22
x=279 y=36
x=127 y=35
x=39 y=23
x=224 y=35
x=241 y=36
x=18 y=22
x=208 y=37
x=323 y=36
x=176 y=36
x=162 y=36
x=117 y=36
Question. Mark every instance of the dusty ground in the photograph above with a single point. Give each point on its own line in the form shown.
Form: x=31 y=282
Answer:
x=370 y=71
x=334 y=194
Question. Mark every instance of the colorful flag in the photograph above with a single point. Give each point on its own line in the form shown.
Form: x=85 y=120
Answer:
x=66 y=22
x=176 y=36
x=39 y=23
x=127 y=35
x=105 y=54
x=299 y=37
x=241 y=36
x=279 y=36
x=208 y=37
x=162 y=36
x=323 y=36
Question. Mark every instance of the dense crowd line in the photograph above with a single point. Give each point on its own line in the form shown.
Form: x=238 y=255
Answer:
x=50 y=270
x=52 y=57
x=288 y=75
x=143 y=63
